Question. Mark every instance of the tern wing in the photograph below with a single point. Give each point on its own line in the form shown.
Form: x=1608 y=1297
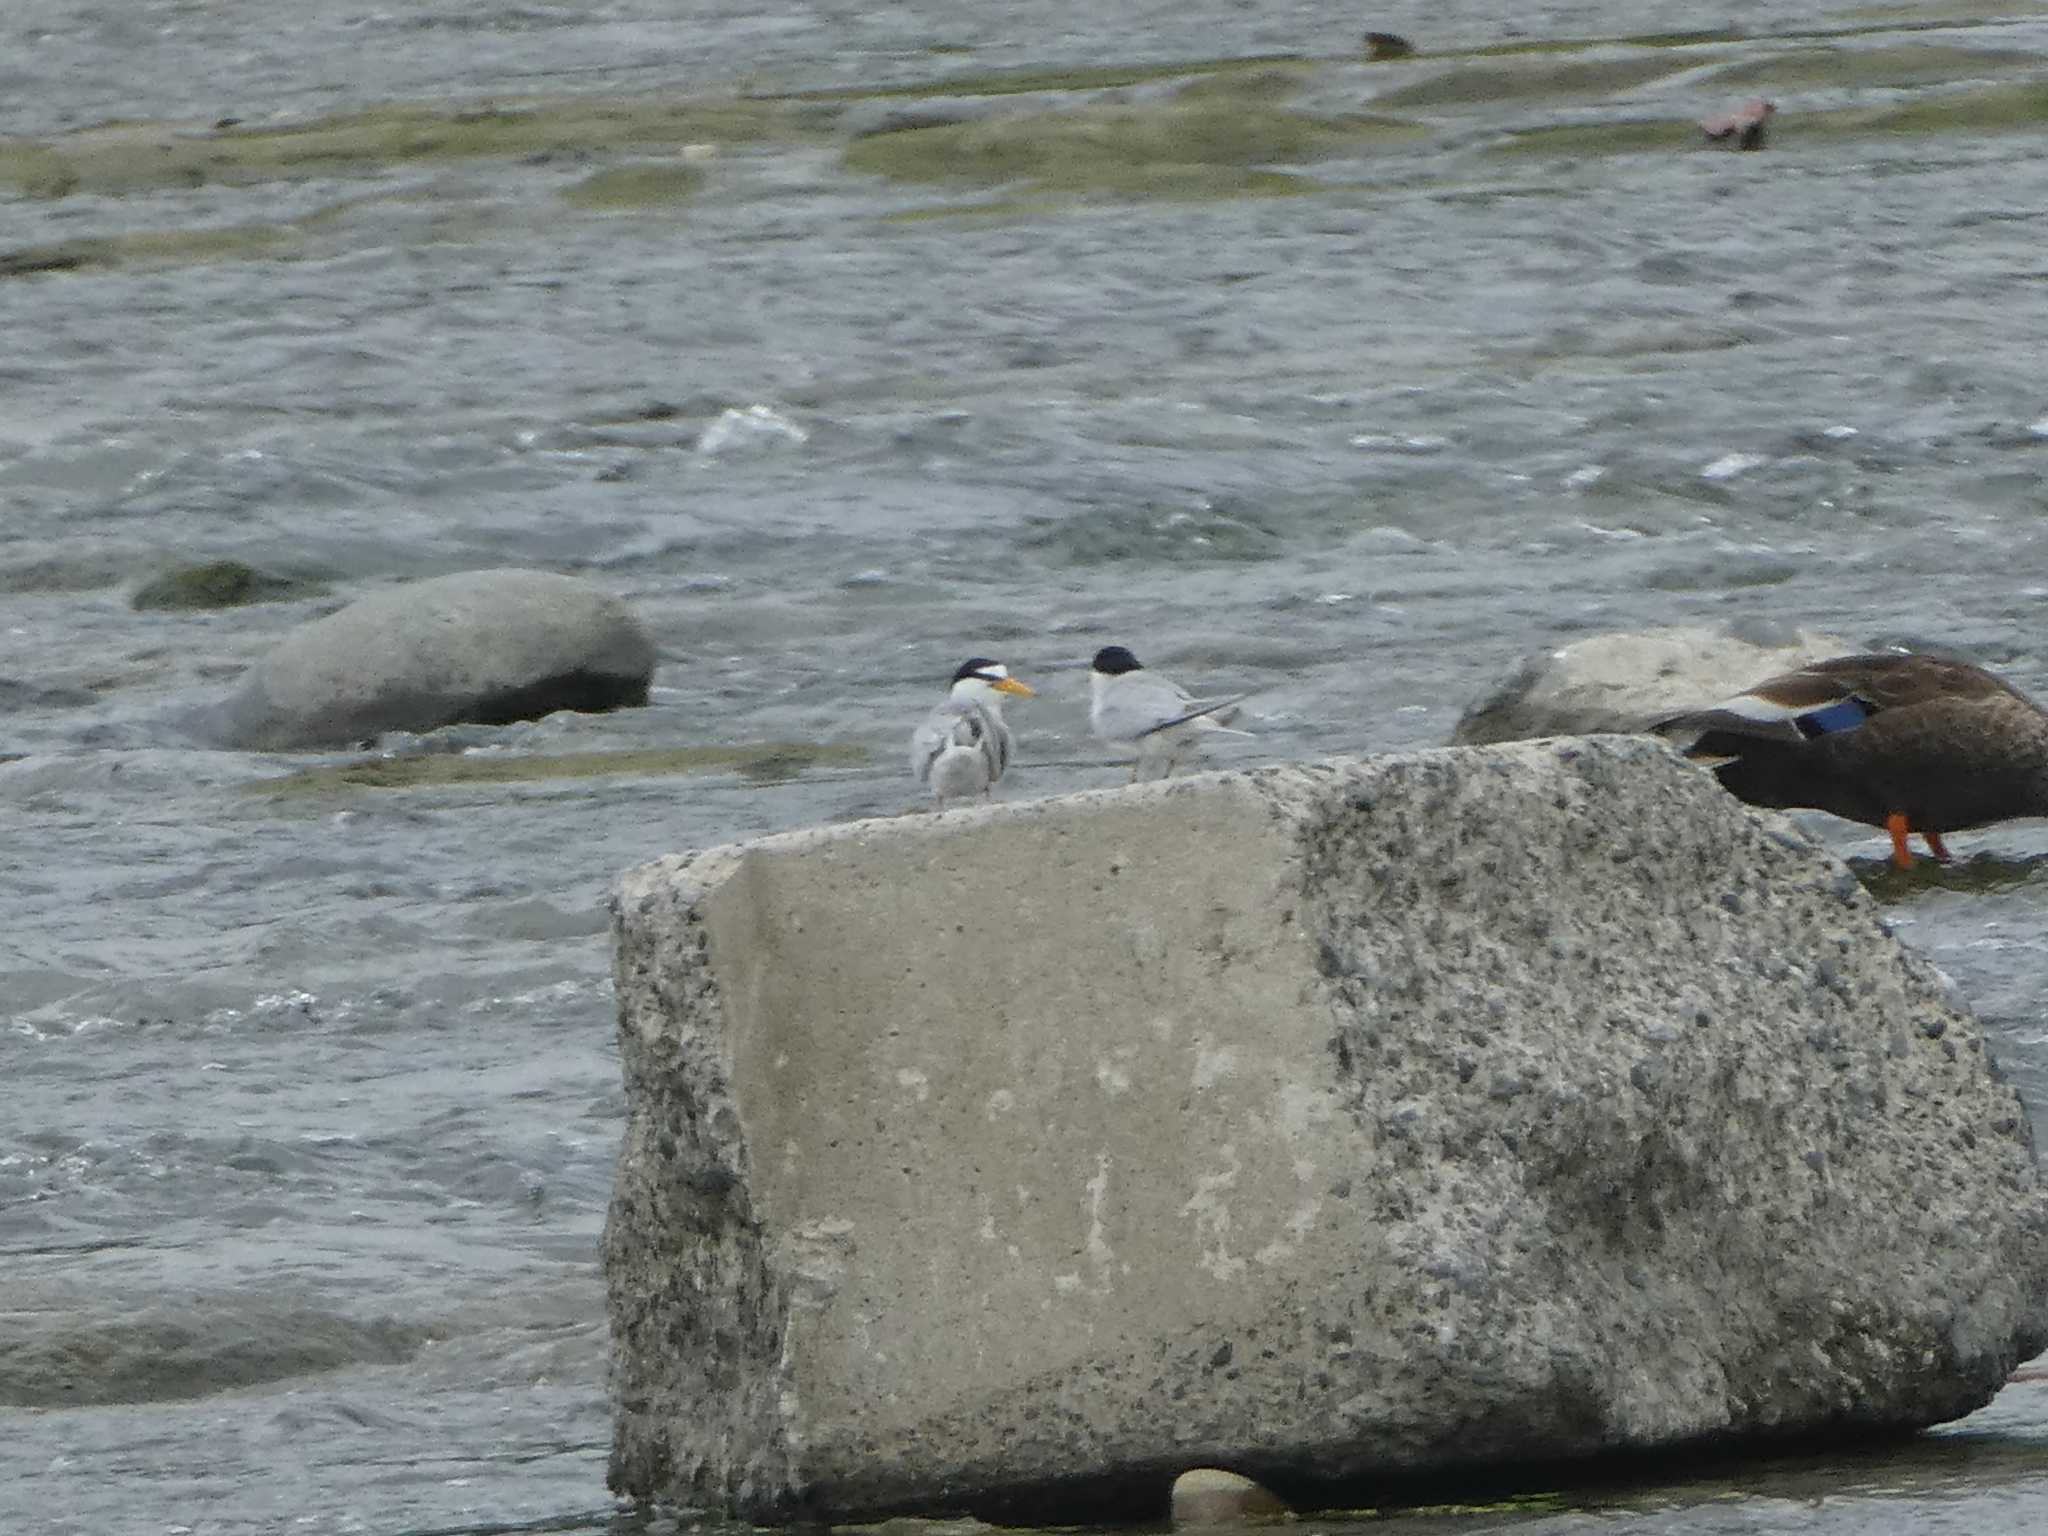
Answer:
x=1137 y=704
x=996 y=745
x=959 y=723
x=932 y=736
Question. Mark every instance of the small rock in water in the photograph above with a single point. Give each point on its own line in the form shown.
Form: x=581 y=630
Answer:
x=1743 y=128
x=1211 y=1496
x=1627 y=681
x=1388 y=45
x=480 y=647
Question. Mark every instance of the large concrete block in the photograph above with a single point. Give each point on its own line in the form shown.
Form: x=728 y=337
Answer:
x=1317 y=1122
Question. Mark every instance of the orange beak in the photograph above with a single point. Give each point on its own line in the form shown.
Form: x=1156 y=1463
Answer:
x=1011 y=685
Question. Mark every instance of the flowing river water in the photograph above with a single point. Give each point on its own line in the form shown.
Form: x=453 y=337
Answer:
x=1346 y=383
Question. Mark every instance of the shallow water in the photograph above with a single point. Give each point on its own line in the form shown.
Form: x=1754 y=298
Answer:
x=313 y=1098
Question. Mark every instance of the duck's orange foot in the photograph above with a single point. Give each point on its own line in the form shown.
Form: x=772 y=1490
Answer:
x=1902 y=856
x=1938 y=848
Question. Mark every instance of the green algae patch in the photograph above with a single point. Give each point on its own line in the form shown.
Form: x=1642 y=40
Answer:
x=1546 y=1503
x=1907 y=64
x=1479 y=85
x=1620 y=138
x=389 y=135
x=625 y=188
x=1032 y=81
x=1267 y=83
x=1984 y=873
x=1992 y=109
x=2014 y=108
x=219 y=584
x=1171 y=149
x=35 y=170
x=765 y=762
x=132 y=157
x=1586 y=44
x=150 y=248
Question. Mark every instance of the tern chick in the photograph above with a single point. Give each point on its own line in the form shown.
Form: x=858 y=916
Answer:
x=1140 y=712
x=963 y=747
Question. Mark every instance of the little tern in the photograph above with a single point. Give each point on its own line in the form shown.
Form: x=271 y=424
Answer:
x=963 y=747
x=1137 y=711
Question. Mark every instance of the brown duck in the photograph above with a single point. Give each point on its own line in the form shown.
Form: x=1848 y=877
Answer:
x=1905 y=742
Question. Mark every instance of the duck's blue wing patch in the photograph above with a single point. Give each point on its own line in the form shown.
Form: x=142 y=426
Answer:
x=1842 y=715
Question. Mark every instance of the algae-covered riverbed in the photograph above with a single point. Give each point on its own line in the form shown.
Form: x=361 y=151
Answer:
x=844 y=343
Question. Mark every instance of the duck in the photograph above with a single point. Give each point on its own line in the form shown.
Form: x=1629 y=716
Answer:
x=1134 y=710
x=1906 y=741
x=962 y=748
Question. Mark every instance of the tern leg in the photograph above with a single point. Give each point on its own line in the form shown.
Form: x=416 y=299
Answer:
x=1938 y=848
x=1902 y=856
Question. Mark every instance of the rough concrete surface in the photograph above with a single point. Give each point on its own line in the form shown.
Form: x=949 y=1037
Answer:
x=1629 y=681
x=483 y=646
x=1318 y=1122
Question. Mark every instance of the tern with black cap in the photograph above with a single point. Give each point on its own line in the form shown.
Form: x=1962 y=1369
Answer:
x=1152 y=717
x=963 y=747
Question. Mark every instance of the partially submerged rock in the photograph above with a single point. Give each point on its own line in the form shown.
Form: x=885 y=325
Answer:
x=1323 y=1122
x=482 y=646
x=1630 y=680
x=219 y=584
x=1210 y=1496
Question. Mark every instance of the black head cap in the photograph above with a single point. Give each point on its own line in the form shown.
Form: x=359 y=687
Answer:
x=1114 y=660
x=977 y=666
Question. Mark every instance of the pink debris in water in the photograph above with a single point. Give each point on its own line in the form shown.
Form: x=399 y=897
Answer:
x=1744 y=126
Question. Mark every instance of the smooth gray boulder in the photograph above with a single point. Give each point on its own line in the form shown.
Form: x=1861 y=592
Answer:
x=483 y=646
x=1629 y=681
x=1321 y=1122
